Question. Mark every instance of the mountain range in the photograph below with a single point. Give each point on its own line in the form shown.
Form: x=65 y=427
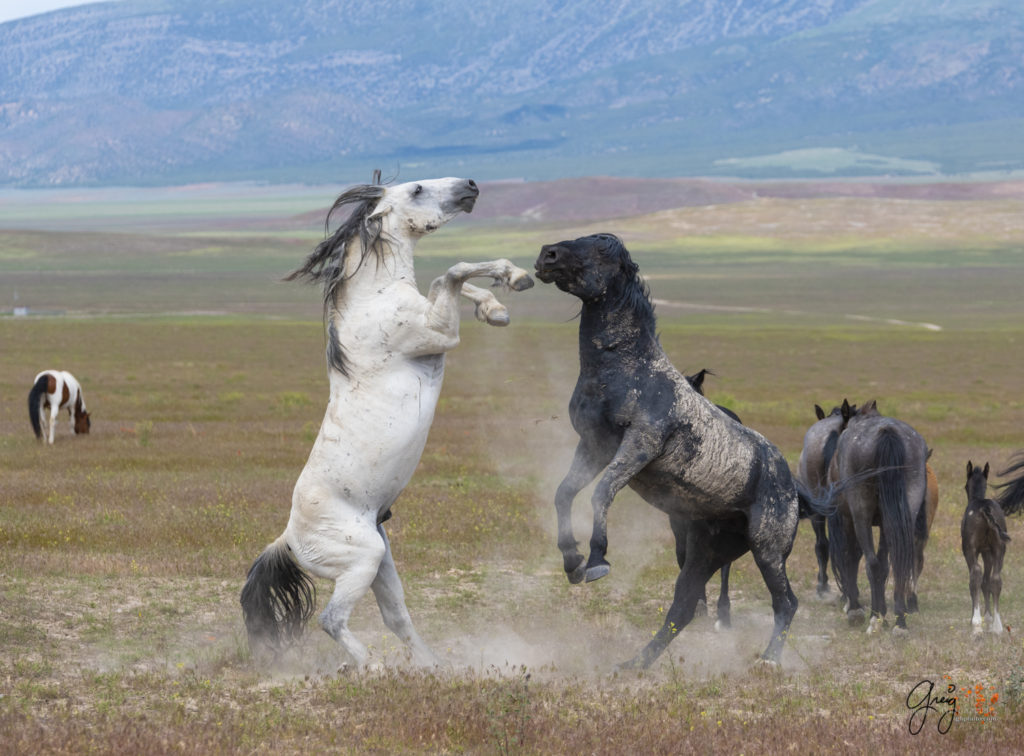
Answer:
x=157 y=92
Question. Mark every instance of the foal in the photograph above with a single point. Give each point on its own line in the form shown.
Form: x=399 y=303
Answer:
x=983 y=532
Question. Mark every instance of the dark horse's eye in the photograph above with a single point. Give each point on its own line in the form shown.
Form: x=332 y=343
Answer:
x=417 y=190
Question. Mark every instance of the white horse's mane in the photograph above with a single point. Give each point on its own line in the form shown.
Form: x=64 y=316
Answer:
x=326 y=263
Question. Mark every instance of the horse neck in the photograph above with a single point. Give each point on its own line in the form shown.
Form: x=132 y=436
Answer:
x=366 y=278
x=626 y=330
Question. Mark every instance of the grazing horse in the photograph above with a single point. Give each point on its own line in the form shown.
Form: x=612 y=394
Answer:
x=882 y=461
x=725 y=488
x=812 y=470
x=54 y=390
x=385 y=354
x=983 y=532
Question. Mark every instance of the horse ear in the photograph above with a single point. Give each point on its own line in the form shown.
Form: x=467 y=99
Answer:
x=985 y=471
x=819 y=412
x=845 y=410
x=970 y=468
x=382 y=209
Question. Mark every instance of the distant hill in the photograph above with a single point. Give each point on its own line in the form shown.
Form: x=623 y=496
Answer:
x=170 y=91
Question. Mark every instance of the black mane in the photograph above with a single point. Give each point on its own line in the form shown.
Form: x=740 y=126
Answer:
x=634 y=294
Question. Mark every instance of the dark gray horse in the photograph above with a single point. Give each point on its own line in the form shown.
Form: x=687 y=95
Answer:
x=812 y=470
x=725 y=488
x=983 y=533
x=881 y=461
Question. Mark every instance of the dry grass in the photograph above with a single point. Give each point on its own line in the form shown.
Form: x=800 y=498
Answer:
x=122 y=554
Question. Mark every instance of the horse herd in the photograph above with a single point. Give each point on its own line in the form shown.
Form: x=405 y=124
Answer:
x=725 y=488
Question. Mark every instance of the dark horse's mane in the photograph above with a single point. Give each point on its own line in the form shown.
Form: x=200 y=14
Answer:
x=326 y=263
x=634 y=294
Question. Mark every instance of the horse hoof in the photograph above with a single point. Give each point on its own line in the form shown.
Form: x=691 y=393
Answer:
x=597 y=572
x=721 y=625
x=522 y=283
x=855 y=617
x=875 y=624
x=495 y=314
x=900 y=632
x=766 y=665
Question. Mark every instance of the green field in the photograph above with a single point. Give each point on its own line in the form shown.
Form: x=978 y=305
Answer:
x=122 y=553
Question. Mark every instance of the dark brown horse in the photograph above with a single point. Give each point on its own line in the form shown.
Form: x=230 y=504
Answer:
x=983 y=533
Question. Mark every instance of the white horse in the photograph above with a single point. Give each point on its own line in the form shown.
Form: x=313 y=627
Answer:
x=55 y=390
x=385 y=352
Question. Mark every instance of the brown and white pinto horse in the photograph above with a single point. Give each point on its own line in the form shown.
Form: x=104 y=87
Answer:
x=54 y=390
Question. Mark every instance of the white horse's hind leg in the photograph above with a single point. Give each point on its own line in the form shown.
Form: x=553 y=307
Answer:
x=358 y=563
x=387 y=588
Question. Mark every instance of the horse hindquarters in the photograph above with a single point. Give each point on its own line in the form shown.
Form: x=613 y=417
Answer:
x=897 y=525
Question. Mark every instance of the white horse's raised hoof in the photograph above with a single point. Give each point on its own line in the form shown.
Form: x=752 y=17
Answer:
x=385 y=356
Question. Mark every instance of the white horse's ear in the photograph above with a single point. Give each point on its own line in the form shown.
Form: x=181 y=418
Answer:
x=382 y=209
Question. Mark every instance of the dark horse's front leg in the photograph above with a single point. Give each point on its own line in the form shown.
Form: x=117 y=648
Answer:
x=633 y=455
x=585 y=467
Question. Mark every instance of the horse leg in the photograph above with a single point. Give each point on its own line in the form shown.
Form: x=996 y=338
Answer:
x=986 y=582
x=873 y=567
x=996 y=587
x=706 y=552
x=488 y=309
x=357 y=566
x=846 y=563
x=681 y=529
x=585 y=467
x=634 y=453
x=821 y=552
x=54 y=412
x=445 y=289
x=724 y=620
x=387 y=588
x=975 y=585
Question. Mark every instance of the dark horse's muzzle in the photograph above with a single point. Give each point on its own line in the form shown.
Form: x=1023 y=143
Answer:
x=549 y=262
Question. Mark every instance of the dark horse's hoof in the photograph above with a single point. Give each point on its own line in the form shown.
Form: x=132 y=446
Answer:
x=575 y=568
x=597 y=572
x=577 y=575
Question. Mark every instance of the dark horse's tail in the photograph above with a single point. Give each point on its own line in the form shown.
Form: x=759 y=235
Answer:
x=1011 y=497
x=890 y=458
x=278 y=598
x=34 y=397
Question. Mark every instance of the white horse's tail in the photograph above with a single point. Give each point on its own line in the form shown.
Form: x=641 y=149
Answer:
x=35 y=398
x=278 y=598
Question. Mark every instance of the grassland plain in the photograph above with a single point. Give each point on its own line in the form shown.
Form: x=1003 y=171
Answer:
x=122 y=553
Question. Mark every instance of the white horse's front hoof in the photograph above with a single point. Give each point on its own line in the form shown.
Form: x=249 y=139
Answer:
x=520 y=280
x=493 y=313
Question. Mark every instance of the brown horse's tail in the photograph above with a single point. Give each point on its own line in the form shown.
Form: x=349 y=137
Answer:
x=35 y=397
x=278 y=598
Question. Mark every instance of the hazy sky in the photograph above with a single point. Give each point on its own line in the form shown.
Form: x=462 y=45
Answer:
x=11 y=9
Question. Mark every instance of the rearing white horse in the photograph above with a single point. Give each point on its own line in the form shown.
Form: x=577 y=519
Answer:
x=385 y=352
